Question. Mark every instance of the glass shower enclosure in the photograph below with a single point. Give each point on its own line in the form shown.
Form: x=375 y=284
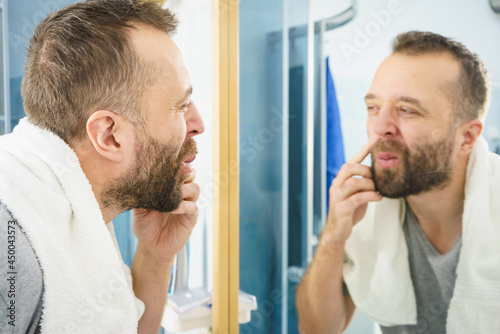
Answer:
x=282 y=152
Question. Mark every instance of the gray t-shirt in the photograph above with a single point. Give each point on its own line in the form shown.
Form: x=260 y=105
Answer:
x=433 y=275
x=21 y=282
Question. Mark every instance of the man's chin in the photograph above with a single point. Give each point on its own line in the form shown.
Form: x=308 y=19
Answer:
x=389 y=184
x=389 y=194
x=170 y=205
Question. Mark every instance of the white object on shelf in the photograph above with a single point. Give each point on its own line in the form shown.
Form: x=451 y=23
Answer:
x=201 y=316
x=186 y=300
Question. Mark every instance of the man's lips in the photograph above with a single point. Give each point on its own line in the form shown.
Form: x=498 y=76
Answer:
x=186 y=164
x=387 y=160
x=190 y=159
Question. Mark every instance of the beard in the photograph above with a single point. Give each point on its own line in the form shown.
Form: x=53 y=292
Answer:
x=426 y=167
x=154 y=182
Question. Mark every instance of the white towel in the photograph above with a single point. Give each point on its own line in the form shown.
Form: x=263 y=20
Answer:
x=87 y=288
x=377 y=271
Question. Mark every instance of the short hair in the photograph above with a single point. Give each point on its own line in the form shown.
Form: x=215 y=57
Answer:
x=472 y=94
x=81 y=59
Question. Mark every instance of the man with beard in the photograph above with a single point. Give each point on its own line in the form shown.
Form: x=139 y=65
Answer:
x=413 y=241
x=110 y=126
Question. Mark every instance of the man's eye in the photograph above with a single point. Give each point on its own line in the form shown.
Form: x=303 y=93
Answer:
x=371 y=108
x=406 y=111
x=184 y=108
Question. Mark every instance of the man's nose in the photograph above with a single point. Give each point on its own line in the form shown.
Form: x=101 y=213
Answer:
x=386 y=122
x=194 y=123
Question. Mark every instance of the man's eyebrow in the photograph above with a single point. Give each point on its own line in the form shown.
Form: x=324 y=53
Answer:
x=413 y=101
x=186 y=95
x=370 y=96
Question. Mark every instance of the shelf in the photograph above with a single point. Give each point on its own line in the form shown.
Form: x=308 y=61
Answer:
x=201 y=316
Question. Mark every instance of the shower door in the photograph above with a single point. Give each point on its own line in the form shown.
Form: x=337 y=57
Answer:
x=274 y=171
x=283 y=185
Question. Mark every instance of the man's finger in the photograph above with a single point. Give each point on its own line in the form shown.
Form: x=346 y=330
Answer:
x=191 y=177
x=190 y=191
x=361 y=155
x=186 y=208
x=355 y=185
x=349 y=170
x=364 y=197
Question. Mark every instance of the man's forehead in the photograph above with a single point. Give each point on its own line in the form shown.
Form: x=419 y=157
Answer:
x=154 y=45
x=417 y=75
x=157 y=48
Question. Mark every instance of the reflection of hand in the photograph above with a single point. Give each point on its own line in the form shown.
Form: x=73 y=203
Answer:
x=349 y=197
x=162 y=235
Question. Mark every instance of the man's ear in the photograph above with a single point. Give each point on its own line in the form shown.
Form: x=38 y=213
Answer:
x=107 y=132
x=469 y=134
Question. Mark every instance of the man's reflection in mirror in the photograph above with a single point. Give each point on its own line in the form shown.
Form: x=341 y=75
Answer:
x=413 y=239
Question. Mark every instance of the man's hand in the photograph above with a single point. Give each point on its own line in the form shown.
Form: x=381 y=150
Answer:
x=349 y=197
x=321 y=304
x=162 y=235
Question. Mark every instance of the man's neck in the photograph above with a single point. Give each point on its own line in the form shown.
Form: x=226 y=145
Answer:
x=97 y=176
x=439 y=213
x=108 y=213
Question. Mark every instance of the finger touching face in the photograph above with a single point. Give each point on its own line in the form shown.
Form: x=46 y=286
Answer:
x=361 y=155
x=190 y=191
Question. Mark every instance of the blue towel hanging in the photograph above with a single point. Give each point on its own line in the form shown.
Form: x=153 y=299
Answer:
x=335 y=157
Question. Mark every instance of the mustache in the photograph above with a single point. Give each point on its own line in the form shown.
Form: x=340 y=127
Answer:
x=386 y=145
x=188 y=149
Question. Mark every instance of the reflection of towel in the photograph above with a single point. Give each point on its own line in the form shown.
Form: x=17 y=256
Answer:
x=377 y=271
x=87 y=288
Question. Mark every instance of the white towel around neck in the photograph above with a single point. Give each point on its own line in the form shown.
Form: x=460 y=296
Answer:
x=87 y=288
x=377 y=271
